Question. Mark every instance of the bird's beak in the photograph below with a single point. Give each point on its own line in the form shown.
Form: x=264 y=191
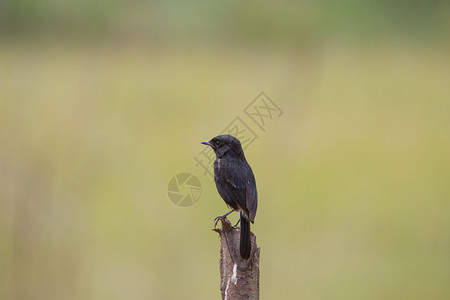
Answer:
x=207 y=143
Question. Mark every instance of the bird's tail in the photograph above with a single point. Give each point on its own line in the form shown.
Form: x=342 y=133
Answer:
x=245 y=244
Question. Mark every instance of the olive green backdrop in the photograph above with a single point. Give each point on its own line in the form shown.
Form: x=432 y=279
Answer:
x=103 y=102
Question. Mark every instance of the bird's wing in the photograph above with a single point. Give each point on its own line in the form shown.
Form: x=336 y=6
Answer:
x=244 y=192
x=238 y=187
x=251 y=194
x=228 y=184
x=231 y=185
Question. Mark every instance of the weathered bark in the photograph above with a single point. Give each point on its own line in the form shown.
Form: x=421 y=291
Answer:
x=239 y=278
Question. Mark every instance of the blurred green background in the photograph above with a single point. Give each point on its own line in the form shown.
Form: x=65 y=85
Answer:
x=102 y=102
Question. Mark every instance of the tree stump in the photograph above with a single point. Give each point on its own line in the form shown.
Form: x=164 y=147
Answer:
x=239 y=278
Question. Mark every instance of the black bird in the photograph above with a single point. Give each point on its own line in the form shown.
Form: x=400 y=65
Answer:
x=236 y=184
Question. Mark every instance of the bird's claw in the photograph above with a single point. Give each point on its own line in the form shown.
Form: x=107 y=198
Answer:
x=221 y=218
x=236 y=225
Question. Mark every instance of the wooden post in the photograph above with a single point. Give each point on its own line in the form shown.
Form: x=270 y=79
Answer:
x=239 y=278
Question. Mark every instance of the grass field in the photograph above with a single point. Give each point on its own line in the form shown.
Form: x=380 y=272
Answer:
x=353 y=178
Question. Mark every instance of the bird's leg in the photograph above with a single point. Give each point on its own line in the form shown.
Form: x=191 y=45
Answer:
x=221 y=217
x=236 y=225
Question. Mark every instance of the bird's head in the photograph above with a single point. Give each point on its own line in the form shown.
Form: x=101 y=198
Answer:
x=225 y=144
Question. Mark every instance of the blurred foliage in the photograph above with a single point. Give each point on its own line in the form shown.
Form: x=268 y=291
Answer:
x=285 y=21
x=102 y=102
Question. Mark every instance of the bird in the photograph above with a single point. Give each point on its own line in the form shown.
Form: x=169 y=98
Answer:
x=236 y=185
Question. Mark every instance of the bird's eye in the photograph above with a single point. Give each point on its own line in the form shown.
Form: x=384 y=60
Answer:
x=217 y=143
